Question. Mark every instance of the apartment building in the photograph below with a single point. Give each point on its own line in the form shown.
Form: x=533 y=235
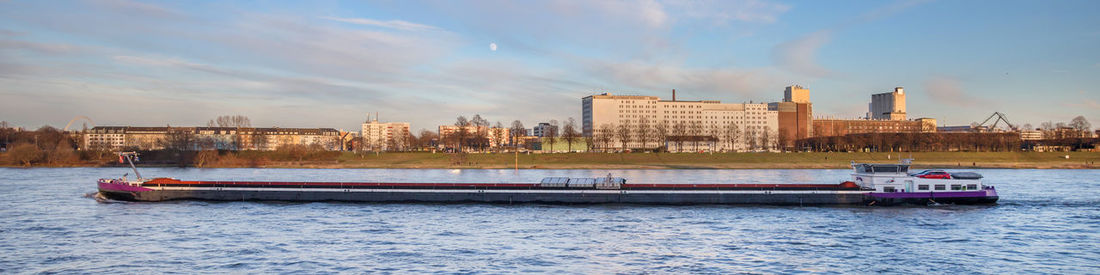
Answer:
x=384 y=136
x=734 y=126
x=199 y=138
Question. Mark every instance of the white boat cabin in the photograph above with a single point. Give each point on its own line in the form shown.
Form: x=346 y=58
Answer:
x=889 y=178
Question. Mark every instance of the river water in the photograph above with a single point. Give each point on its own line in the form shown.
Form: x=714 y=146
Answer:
x=1047 y=221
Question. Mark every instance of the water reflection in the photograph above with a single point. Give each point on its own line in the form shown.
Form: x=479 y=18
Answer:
x=1046 y=222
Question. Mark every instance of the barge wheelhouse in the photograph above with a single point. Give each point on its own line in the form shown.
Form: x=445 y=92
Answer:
x=893 y=184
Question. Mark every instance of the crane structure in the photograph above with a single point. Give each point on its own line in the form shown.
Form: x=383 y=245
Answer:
x=981 y=127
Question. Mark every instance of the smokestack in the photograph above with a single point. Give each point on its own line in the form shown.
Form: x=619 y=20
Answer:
x=673 y=94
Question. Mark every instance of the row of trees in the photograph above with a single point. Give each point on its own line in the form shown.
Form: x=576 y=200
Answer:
x=46 y=145
x=478 y=134
x=641 y=135
x=714 y=137
x=914 y=142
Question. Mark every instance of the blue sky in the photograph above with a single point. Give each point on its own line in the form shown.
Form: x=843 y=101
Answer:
x=330 y=63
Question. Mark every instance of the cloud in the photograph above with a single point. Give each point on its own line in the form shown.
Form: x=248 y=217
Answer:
x=723 y=12
x=48 y=48
x=131 y=7
x=1087 y=104
x=392 y=24
x=800 y=55
x=710 y=83
x=652 y=13
x=948 y=90
x=273 y=66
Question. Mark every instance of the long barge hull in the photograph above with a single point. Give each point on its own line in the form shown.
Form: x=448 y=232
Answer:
x=673 y=194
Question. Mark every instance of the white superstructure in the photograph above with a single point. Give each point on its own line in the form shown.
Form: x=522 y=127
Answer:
x=891 y=178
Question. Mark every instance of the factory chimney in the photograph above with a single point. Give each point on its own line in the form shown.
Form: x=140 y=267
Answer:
x=673 y=94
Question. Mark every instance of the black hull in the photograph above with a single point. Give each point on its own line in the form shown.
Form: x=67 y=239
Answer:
x=933 y=201
x=507 y=197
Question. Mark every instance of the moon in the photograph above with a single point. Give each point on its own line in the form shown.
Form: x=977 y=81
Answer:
x=493 y=47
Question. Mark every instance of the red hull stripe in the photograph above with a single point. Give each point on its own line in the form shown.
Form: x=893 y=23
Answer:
x=163 y=181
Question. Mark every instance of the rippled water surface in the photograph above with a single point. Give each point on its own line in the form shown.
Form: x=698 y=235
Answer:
x=1048 y=221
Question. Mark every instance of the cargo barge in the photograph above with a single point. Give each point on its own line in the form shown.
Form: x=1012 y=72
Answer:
x=871 y=184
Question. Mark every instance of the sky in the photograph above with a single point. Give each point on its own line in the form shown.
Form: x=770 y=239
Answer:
x=331 y=63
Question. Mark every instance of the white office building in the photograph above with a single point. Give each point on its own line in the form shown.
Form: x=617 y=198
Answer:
x=718 y=126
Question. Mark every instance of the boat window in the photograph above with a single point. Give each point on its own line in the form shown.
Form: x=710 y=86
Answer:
x=956 y=187
x=941 y=187
x=885 y=169
x=922 y=187
x=888 y=189
x=972 y=187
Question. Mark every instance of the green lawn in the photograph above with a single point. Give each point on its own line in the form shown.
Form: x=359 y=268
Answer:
x=715 y=160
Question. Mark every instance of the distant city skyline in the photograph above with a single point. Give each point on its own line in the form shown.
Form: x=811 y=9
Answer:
x=331 y=63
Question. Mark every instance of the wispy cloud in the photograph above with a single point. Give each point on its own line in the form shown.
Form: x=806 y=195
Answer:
x=800 y=54
x=131 y=7
x=51 y=48
x=392 y=24
x=1087 y=104
x=723 y=12
x=948 y=90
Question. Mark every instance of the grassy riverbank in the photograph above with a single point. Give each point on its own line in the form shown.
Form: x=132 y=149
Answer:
x=1076 y=160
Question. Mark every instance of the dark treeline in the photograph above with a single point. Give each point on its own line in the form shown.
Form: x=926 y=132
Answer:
x=934 y=142
x=45 y=146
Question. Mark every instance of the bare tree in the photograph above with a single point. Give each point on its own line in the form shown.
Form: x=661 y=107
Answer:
x=695 y=130
x=569 y=133
x=679 y=131
x=624 y=133
x=498 y=134
x=259 y=139
x=517 y=132
x=237 y=121
x=714 y=132
x=605 y=135
x=642 y=132
x=179 y=139
x=589 y=142
x=550 y=135
x=1048 y=129
x=1081 y=126
x=426 y=138
x=481 y=131
x=750 y=139
x=731 y=134
x=660 y=134
x=460 y=135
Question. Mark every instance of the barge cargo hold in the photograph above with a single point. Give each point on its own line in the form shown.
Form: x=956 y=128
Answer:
x=163 y=189
x=871 y=184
